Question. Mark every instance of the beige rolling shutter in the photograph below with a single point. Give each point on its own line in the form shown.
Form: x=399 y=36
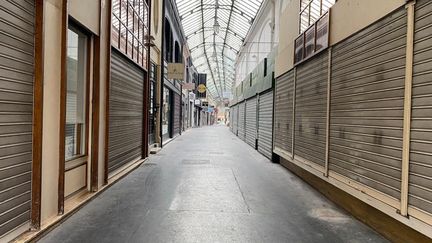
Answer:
x=367 y=95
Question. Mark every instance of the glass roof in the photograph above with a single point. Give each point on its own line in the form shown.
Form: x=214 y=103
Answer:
x=215 y=31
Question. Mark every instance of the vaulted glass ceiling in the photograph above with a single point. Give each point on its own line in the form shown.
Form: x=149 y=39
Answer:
x=215 y=31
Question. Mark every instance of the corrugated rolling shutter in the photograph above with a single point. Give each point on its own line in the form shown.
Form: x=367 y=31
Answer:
x=311 y=109
x=251 y=121
x=235 y=119
x=284 y=112
x=265 y=124
x=125 y=112
x=420 y=190
x=241 y=121
x=367 y=97
x=231 y=118
x=176 y=113
x=16 y=107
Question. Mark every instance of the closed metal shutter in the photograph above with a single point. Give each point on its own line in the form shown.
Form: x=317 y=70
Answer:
x=265 y=124
x=311 y=109
x=284 y=112
x=231 y=118
x=241 y=121
x=251 y=121
x=176 y=118
x=367 y=97
x=420 y=178
x=125 y=112
x=235 y=119
x=16 y=108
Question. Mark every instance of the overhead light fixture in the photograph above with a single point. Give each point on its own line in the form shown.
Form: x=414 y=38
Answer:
x=216 y=27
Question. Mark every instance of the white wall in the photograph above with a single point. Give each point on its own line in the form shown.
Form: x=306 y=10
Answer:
x=263 y=37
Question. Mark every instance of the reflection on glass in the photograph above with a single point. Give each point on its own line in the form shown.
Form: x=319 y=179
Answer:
x=75 y=97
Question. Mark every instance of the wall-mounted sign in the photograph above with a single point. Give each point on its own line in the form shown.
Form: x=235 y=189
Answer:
x=188 y=86
x=191 y=96
x=176 y=71
x=201 y=88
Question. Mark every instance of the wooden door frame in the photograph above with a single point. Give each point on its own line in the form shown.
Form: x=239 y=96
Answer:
x=37 y=117
x=93 y=47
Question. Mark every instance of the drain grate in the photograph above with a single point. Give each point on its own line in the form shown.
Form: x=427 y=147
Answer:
x=195 y=161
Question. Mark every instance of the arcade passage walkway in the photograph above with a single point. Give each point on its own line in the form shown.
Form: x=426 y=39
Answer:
x=209 y=186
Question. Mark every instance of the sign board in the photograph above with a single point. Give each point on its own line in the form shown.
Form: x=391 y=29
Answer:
x=176 y=71
x=201 y=88
x=202 y=85
x=197 y=102
x=188 y=86
x=191 y=96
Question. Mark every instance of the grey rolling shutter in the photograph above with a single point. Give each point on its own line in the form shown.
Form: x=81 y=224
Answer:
x=16 y=107
x=284 y=112
x=241 y=121
x=176 y=118
x=265 y=124
x=125 y=112
x=251 y=121
x=420 y=178
x=311 y=106
x=367 y=97
x=235 y=119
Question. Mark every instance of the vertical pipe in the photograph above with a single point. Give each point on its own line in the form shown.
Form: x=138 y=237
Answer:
x=326 y=167
x=407 y=108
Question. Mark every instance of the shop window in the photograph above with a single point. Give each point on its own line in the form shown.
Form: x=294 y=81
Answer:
x=76 y=98
x=313 y=40
x=130 y=28
x=312 y=10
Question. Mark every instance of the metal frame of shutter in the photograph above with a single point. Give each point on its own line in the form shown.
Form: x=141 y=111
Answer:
x=241 y=121
x=283 y=112
x=310 y=109
x=16 y=106
x=265 y=124
x=176 y=114
x=125 y=112
x=420 y=177
x=251 y=121
x=367 y=103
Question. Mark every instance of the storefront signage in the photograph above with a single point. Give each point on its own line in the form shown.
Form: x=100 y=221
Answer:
x=176 y=71
x=188 y=86
x=201 y=88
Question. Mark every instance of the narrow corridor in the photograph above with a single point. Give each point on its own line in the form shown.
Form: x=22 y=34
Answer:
x=209 y=186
